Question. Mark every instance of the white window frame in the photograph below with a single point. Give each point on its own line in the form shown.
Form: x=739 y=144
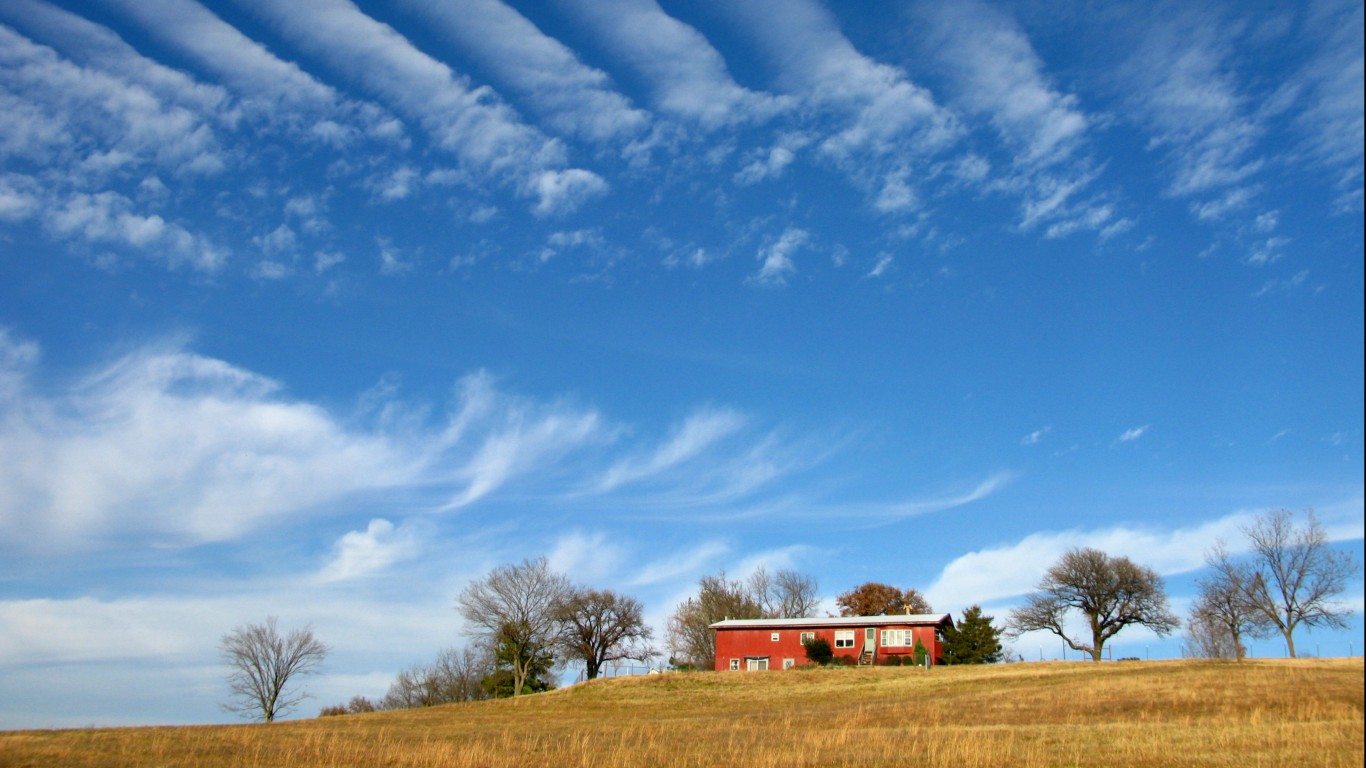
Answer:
x=844 y=638
x=774 y=636
x=735 y=665
x=789 y=663
x=756 y=665
x=808 y=637
x=898 y=638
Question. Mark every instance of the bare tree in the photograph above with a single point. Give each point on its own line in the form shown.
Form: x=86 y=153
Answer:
x=263 y=664
x=785 y=594
x=1295 y=574
x=1208 y=638
x=603 y=626
x=690 y=636
x=1223 y=612
x=1110 y=593
x=455 y=675
x=513 y=610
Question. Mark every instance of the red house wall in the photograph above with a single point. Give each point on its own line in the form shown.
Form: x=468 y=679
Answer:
x=746 y=642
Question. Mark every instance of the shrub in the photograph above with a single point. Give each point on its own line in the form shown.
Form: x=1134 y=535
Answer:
x=894 y=661
x=357 y=705
x=818 y=651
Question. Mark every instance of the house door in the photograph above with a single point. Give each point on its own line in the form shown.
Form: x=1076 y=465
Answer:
x=869 y=638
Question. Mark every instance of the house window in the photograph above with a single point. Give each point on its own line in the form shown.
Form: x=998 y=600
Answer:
x=773 y=637
x=789 y=663
x=898 y=638
x=808 y=637
x=735 y=665
x=756 y=665
x=844 y=638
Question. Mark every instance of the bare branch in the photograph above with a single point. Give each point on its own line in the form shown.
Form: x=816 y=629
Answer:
x=263 y=663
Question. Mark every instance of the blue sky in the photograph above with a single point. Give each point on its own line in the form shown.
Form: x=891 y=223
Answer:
x=321 y=310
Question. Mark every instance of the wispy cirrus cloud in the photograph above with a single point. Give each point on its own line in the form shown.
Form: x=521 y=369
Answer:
x=1183 y=86
x=878 y=124
x=267 y=86
x=91 y=45
x=995 y=73
x=473 y=123
x=575 y=99
x=775 y=258
x=687 y=75
x=696 y=434
x=1332 y=85
x=1130 y=435
x=164 y=445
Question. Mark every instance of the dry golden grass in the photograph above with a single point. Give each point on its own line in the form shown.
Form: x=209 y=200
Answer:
x=1159 y=714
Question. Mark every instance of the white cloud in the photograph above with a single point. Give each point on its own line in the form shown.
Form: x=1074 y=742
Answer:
x=99 y=48
x=472 y=123
x=1131 y=435
x=264 y=83
x=877 y=123
x=772 y=162
x=1184 y=88
x=776 y=257
x=1011 y=570
x=884 y=263
x=561 y=192
x=1332 y=121
x=19 y=196
x=513 y=436
x=1035 y=437
x=998 y=74
x=1285 y=285
x=685 y=564
x=699 y=432
x=164 y=445
x=52 y=101
x=108 y=217
x=575 y=98
x=585 y=558
x=359 y=553
x=688 y=76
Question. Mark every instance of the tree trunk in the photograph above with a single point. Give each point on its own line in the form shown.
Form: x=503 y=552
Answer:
x=1289 y=642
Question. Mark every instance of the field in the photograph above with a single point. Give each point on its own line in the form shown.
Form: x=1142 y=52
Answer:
x=1175 y=713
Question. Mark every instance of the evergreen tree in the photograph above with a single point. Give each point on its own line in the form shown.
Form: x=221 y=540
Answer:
x=973 y=641
x=510 y=656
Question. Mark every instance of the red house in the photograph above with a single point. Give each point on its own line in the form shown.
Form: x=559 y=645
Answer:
x=758 y=644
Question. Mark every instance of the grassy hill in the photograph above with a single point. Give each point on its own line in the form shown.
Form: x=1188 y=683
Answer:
x=1179 y=713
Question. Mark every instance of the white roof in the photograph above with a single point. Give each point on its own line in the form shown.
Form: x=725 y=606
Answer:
x=836 y=621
